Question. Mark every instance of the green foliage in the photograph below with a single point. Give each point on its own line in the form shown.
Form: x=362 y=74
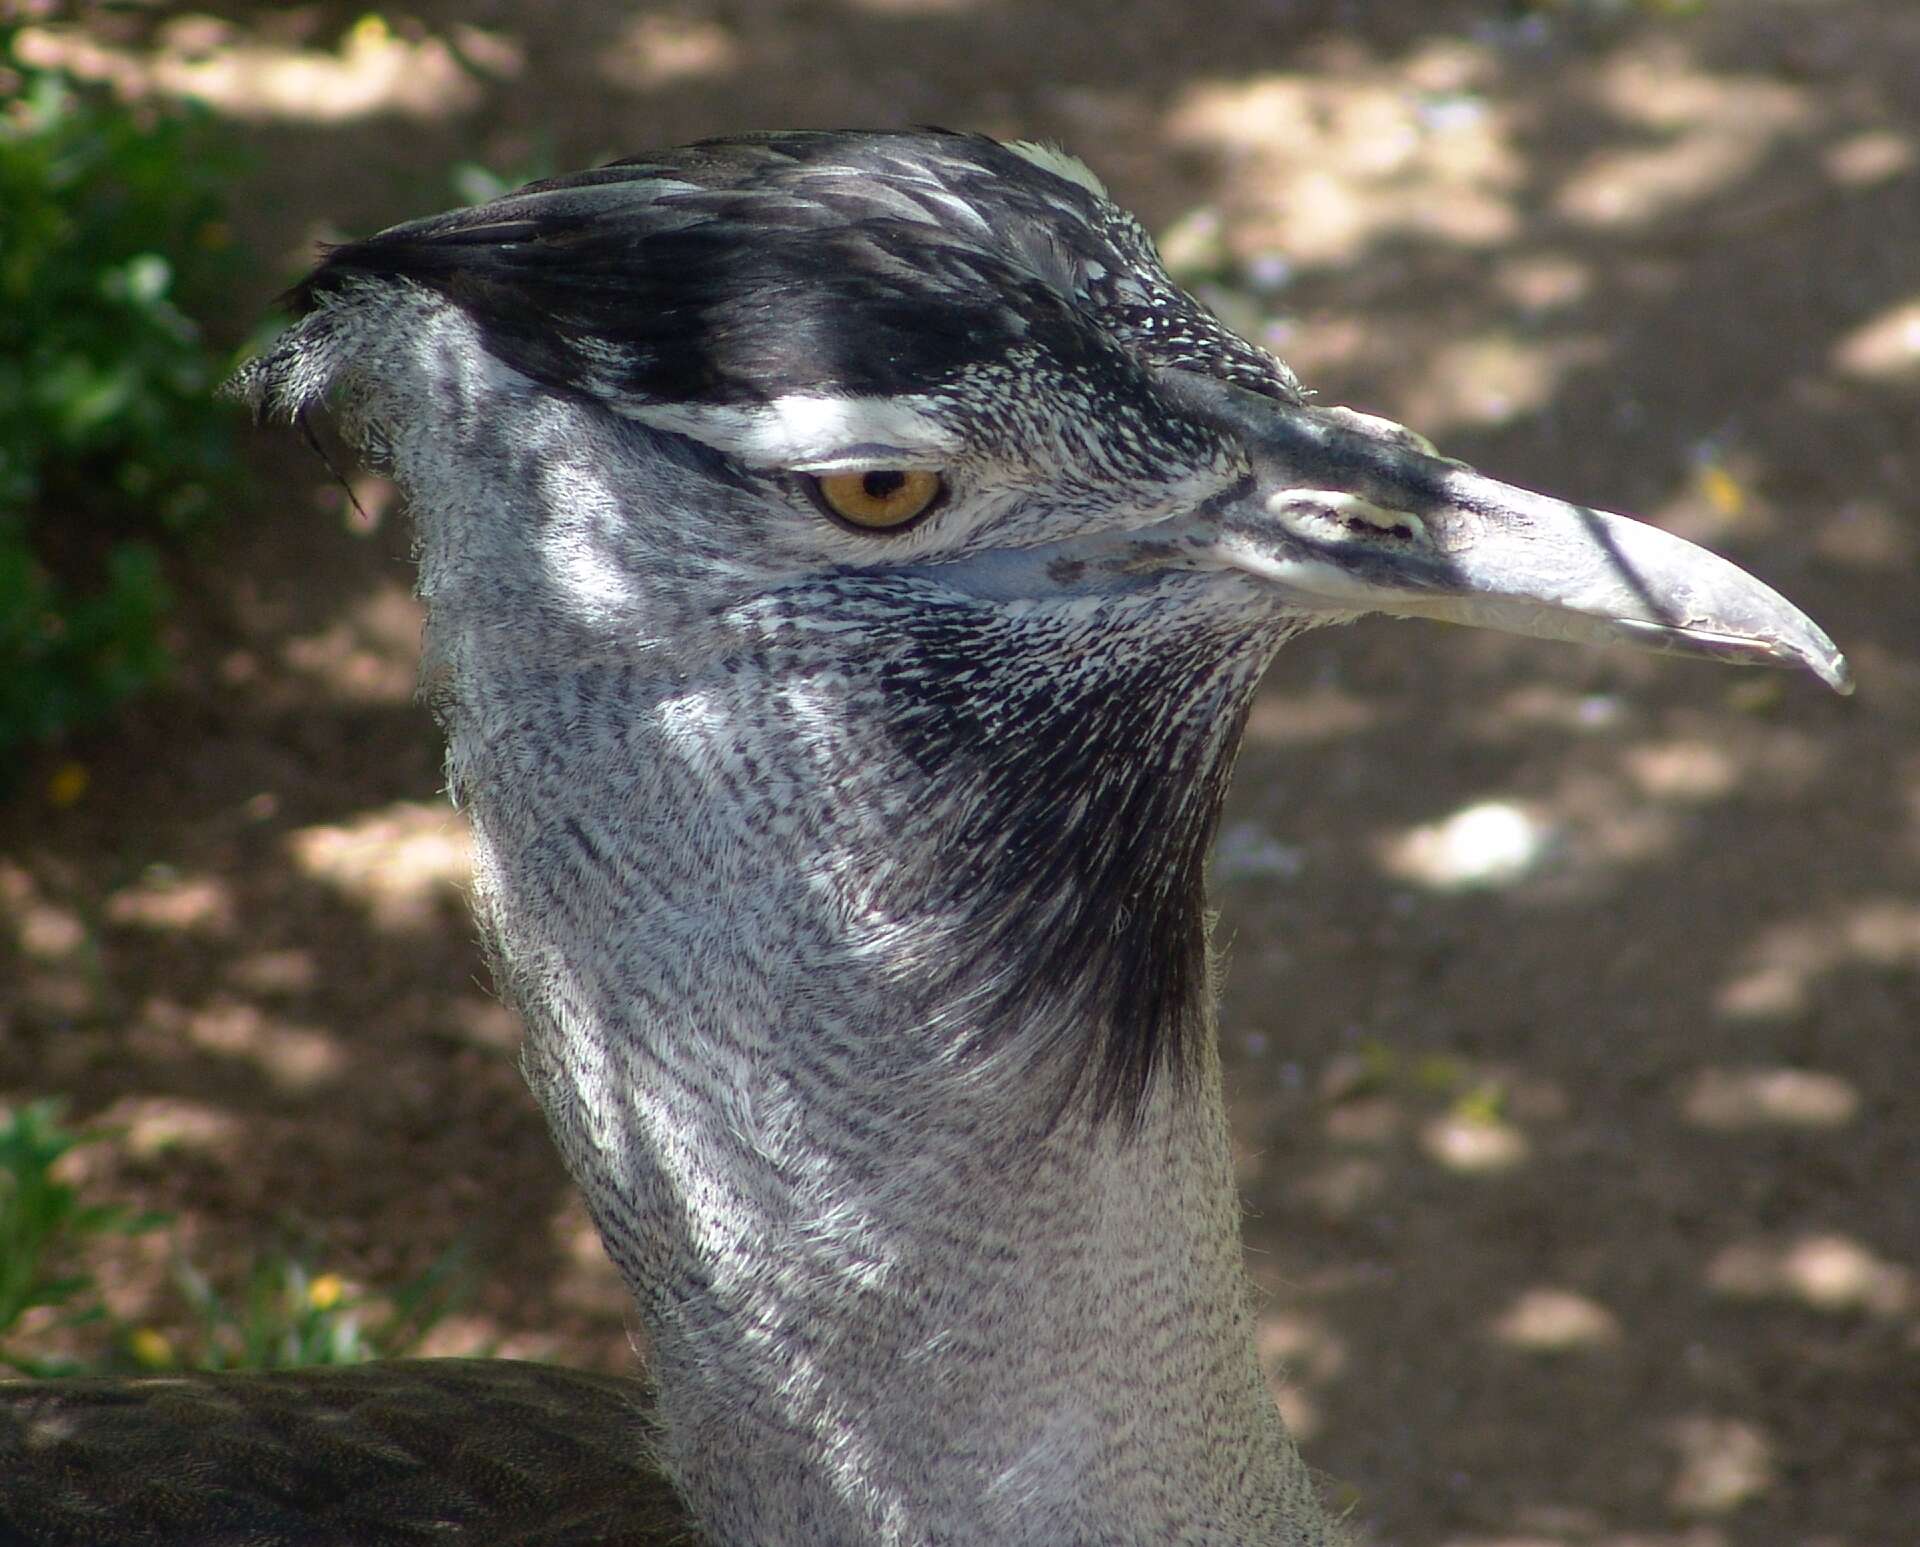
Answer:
x=111 y=447
x=46 y=1232
x=286 y=1314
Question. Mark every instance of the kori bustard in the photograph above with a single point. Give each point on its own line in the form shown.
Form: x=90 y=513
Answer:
x=849 y=561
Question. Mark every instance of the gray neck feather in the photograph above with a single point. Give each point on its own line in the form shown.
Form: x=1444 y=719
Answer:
x=823 y=989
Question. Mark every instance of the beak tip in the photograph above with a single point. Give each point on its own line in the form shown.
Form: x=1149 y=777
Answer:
x=1834 y=670
x=1803 y=644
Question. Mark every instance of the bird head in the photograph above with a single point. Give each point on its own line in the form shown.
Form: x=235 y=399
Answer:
x=896 y=467
x=941 y=355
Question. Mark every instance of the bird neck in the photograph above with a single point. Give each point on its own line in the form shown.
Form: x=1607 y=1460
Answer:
x=905 y=1278
x=825 y=920
x=940 y=1325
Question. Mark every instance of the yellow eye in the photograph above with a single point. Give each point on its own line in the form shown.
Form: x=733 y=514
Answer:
x=881 y=501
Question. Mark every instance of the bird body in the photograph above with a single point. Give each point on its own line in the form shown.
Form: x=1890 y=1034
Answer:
x=847 y=865
x=477 y=1452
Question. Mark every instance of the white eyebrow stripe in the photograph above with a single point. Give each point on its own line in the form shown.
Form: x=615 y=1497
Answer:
x=803 y=428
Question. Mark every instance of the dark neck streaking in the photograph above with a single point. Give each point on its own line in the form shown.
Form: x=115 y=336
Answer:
x=1072 y=789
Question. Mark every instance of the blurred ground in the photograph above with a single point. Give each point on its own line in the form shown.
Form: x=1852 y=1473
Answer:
x=1574 y=997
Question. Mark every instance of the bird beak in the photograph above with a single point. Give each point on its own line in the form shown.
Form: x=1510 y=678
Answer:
x=1350 y=514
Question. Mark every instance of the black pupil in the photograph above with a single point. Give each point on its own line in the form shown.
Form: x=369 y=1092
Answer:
x=882 y=486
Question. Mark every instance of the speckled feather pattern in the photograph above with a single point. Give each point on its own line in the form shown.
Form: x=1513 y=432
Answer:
x=853 y=900
x=479 y=1452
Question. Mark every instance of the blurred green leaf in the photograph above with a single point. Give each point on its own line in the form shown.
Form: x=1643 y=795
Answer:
x=111 y=448
x=45 y=1232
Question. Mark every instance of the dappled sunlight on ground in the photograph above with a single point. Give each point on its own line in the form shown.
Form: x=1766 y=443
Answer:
x=1685 y=771
x=371 y=71
x=42 y=929
x=1300 y=1354
x=1709 y=130
x=1473 y=1144
x=1496 y=377
x=370 y=653
x=166 y=901
x=293 y=971
x=661 y=50
x=1886 y=348
x=1721 y=1463
x=1328 y=166
x=53 y=968
x=156 y=1126
x=587 y=1282
x=1470 y=1121
x=296 y=1059
x=1786 y=964
x=1869 y=158
x=1547 y=1320
x=403 y=864
x=1491 y=843
x=1775 y=1097
x=1829 y=1273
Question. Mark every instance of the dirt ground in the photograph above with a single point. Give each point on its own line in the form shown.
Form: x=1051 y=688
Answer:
x=1573 y=1000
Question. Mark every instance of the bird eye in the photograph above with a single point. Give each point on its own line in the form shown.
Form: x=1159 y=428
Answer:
x=884 y=500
